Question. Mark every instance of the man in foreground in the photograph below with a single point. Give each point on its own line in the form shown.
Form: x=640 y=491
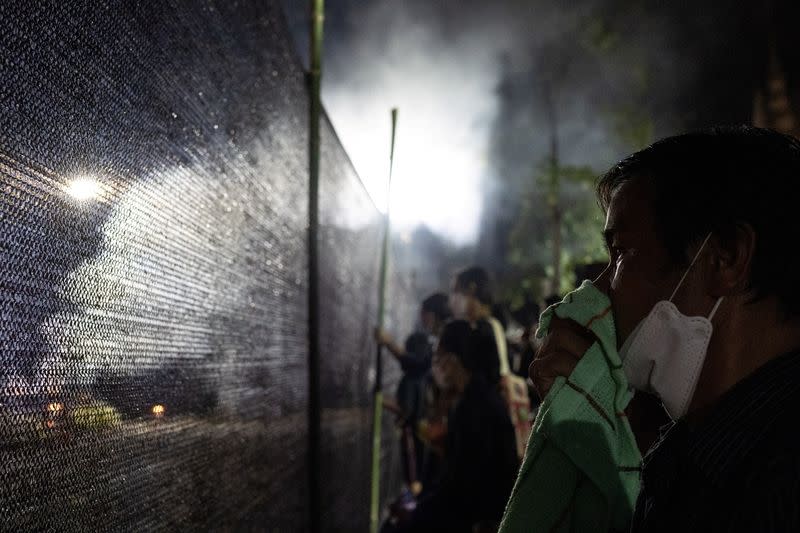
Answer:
x=702 y=231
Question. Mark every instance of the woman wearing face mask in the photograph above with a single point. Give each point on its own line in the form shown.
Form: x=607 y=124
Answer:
x=480 y=451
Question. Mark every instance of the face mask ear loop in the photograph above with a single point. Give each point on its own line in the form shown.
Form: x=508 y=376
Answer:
x=696 y=256
x=716 y=306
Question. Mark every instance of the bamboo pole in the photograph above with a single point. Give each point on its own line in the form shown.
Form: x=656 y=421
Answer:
x=375 y=493
x=314 y=399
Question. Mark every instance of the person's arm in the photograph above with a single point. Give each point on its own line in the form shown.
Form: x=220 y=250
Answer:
x=384 y=339
x=417 y=358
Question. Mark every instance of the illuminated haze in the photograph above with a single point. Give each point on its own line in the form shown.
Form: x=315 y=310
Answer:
x=444 y=92
x=442 y=79
x=440 y=63
x=443 y=63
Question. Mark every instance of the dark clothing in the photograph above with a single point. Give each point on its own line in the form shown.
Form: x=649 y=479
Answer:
x=419 y=352
x=416 y=364
x=480 y=465
x=526 y=356
x=429 y=460
x=739 y=470
x=487 y=362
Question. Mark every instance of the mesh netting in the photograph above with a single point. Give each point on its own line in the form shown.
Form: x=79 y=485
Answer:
x=153 y=376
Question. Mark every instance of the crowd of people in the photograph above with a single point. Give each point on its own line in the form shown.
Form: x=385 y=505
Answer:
x=463 y=424
x=669 y=385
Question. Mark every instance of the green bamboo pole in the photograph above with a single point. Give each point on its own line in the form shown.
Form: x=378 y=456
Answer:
x=314 y=399
x=375 y=496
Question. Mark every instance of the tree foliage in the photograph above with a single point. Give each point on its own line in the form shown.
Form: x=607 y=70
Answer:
x=530 y=240
x=592 y=66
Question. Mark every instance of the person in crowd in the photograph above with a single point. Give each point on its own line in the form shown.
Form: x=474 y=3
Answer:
x=471 y=295
x=480 y=453
x=500 y=313
x=702 y=234
x=471 y=299
x=415 y=385
x=528 y=318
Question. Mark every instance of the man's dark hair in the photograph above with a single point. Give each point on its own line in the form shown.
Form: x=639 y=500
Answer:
x=478 y=277
x=438 y=305
x=475 y=347
x=718 y=180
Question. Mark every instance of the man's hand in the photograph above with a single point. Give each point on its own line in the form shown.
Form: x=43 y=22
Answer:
x=382 y=337
x=562 y=348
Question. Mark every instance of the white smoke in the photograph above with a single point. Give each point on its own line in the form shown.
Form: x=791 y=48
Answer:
x=440 y=63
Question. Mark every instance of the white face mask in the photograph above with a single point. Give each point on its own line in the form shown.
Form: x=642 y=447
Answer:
x=665 y=353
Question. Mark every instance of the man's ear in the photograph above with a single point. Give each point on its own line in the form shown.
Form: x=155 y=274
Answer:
x=732 y=260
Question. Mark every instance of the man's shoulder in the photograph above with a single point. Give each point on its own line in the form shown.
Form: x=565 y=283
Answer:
x=780 y=446
x=755 y=424
x=776 y=455
x=771 y=492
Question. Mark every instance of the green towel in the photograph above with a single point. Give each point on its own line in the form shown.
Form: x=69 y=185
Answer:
x=581 y=467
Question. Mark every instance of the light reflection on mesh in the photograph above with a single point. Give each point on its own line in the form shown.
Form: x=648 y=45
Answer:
x=153 y=167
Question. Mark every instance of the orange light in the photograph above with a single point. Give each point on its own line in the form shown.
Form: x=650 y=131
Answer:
x=55 y=407
x=158 y=410
x=50 y=423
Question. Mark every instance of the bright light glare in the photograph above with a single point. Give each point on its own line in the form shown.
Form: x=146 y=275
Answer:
x=158 y=410
x=445 y=109
x=437 y=175
x=84 y=189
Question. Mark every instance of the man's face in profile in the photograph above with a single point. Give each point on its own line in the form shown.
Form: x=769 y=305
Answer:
x=640 y=271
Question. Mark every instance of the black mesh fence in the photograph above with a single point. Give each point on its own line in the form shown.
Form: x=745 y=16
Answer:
x=351 y=232
x=153 y=272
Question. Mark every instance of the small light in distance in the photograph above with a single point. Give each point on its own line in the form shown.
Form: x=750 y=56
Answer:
x=54 y=407
x=84 y=189
x=158 y=410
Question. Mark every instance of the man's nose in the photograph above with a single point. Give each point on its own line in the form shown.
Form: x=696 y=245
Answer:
x=603 y=281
